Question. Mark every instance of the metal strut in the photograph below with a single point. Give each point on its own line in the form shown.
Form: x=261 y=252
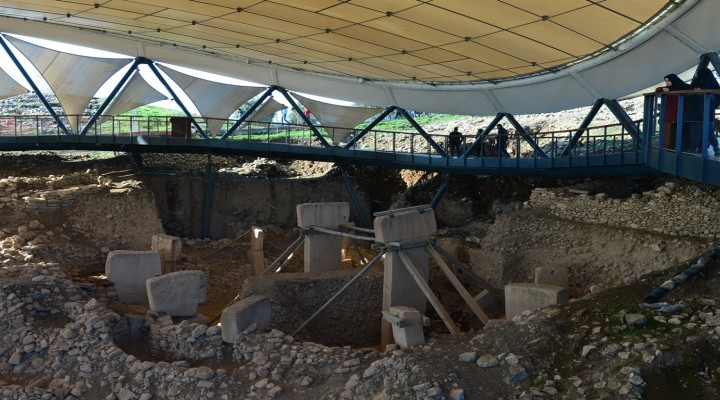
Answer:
x=340 y=292
x=285 y=253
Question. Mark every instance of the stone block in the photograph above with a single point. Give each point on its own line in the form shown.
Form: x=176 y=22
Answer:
x=236 y=318
x=177 y=293
x=170 y=247
x=411 y=334
x=405 y=225
x=326 y=215
x=128 y=270
x=322 y=251
x=557 y=276
x=521 y=297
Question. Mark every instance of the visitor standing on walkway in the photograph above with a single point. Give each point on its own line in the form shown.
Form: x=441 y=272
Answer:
x=670 y=119
x=502 y=141
x=705 y=80
x=455 y=139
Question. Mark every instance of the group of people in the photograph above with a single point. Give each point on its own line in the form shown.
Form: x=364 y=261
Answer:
x=693 y=116
x=490 y=146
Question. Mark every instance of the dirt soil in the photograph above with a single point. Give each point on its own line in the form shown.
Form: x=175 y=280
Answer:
x=584 y=349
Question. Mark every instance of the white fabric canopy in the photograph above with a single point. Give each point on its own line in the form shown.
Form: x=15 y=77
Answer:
x=74 y=79
x=270 y=107
x=8 y=86
x=136 y=93
x=216 y=101
x=333 y=115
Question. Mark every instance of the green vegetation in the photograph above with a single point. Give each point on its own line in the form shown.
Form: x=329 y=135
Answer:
x=152 y=111
x=402 y=124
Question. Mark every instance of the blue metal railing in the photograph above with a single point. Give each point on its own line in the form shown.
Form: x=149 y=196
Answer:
x=680 y=129
x=598 y=150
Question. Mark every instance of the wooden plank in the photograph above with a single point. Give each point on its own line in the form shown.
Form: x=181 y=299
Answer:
x=454 y=329
x=458 y=286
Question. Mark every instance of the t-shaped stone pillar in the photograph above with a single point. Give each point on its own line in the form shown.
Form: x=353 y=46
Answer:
x=405 y=226
x=322 y=251
x=256 y=254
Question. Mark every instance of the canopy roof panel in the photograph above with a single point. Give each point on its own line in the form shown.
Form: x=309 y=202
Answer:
x=404 y=45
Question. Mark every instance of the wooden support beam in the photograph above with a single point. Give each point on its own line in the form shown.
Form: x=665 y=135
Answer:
x=458 y=286
x=454 y=329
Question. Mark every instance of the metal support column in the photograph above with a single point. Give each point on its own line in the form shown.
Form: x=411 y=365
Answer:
x=364 y=221
x=208 y=198
x=713 y=59
x=479 y=138
x=422 y=132
x=440 y=192
x=162 y=80
x=583 y=126
x=624 y=118
x=113 y=93
x=249 y=112
x=370 y=126
x=303 y=116
x=526 y=135
x=33 y=85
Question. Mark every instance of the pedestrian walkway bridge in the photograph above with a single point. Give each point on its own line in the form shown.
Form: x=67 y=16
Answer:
x=607 y=150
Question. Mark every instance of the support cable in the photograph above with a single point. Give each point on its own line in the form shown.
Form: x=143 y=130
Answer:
x=337 y=233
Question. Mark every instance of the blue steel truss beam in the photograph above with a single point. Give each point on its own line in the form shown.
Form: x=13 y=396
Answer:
x=372 y=124
x=623 y=117
x=441 y=192
x=617 y=111
x=249 y=112
x=525 y=135
x=364 y=220
x=112 y=94
x=422 y=132
x=162 y=80
x=33 y=85
x=582 y=128
x=302 y=115
x=479 y=138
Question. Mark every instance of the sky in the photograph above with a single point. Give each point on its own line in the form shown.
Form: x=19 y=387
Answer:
x=10 y=68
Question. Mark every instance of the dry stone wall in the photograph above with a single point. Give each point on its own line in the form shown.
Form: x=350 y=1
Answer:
x=295 y=297
x=238 y=203
x=676 y=209
x=42 y=194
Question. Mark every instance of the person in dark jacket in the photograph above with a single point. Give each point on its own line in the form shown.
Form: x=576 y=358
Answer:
x=704 y=79
x=455 y=139
x=502 y=141
x=670 y=119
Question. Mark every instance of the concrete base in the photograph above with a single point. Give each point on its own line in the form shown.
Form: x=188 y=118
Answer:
x=557 y=276
x=521 y=297
x=411 y=334
x=128 y=270
x=322 y=251
x=236 y=318
x=177 y=293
